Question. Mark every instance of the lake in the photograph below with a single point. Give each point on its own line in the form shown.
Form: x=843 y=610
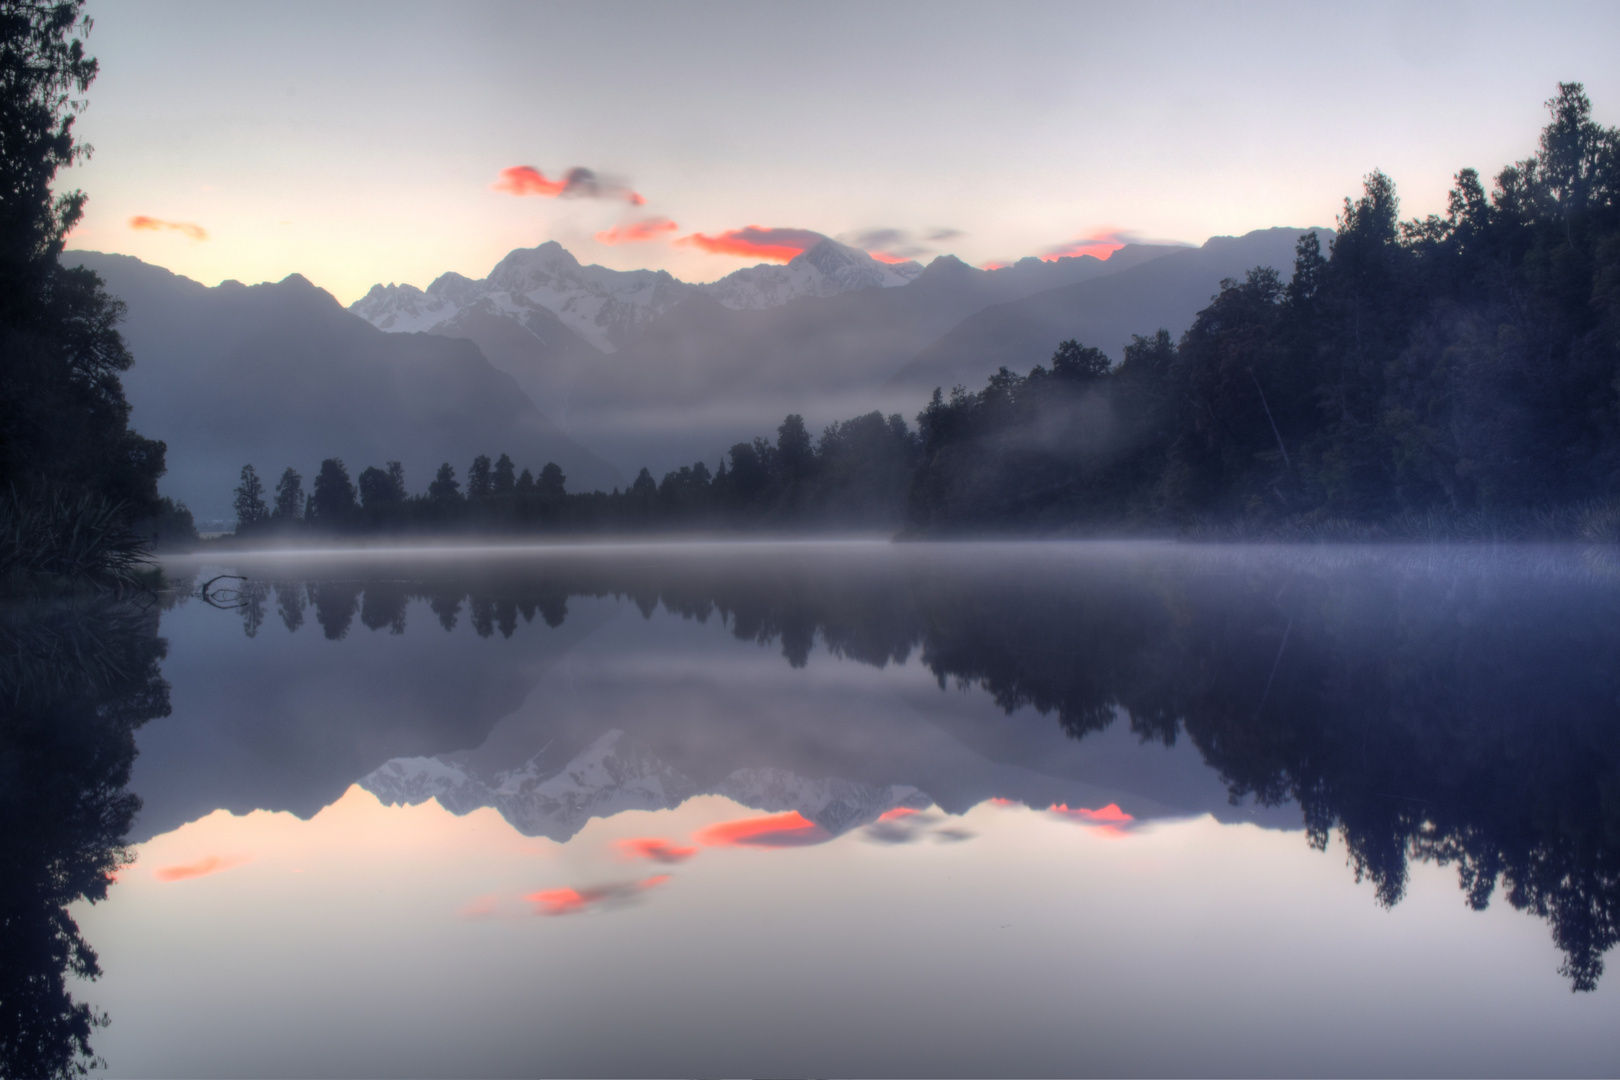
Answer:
x=826 y=808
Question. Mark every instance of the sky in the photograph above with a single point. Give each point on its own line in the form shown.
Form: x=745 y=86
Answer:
x=360 y=143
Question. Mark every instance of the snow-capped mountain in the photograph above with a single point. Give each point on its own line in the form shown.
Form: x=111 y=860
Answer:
x=609 y=308
x=616 y=773
x=605 y=307
x=827 y=269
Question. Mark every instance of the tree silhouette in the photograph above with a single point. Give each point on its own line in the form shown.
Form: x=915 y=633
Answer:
x=289 y=496
x=504 y=482
x=334 y=496
x=64 y=420
x=249 y=501
x=444 y=487
x=480 y=481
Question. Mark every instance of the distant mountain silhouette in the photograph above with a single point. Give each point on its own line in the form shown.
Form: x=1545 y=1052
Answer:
x=697 y=368
x=280 y=375
x=1166 y=293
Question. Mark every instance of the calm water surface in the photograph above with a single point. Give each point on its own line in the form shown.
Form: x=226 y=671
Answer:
x=845 y=809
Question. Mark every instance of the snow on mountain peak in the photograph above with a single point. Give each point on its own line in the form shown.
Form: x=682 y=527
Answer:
x=616 y=773
x=609 y=308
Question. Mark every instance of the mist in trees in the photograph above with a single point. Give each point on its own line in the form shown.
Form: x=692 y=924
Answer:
x=1456 y=365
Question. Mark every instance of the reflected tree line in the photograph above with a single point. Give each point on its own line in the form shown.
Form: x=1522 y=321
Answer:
x=77 y=678
x=1459 y=715
x=1464 y=717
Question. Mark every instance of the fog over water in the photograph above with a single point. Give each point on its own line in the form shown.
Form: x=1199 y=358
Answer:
x=806 y=808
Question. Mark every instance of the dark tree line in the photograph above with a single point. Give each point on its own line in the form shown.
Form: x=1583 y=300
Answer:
x=1463 y=364
x=69 y=461
x=855 y=475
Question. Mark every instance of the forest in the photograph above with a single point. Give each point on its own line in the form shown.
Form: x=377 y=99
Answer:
x=1443 y=377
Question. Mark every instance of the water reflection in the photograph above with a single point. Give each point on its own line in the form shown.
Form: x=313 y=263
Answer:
x=76 y=679
x=1453 y=707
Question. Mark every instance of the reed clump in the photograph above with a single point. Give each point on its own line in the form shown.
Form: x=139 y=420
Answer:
x=63 y=542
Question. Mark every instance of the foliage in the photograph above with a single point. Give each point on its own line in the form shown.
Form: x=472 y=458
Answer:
x=64 y=421
x=855 y=476
x=1457 y=365
x=86 y=539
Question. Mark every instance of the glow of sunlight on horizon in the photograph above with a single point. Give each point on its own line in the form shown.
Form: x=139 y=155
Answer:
x=356 y=145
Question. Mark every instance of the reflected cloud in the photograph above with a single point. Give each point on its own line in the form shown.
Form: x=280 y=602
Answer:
x=565 y=901
x=636 y=232
x=479 y=907
x=576 y=183
x=655 y=849
x=792 y=829
x=151 y=224
x=756 y=242
x=907 y=825
x=210 y=864
x=1110 y=819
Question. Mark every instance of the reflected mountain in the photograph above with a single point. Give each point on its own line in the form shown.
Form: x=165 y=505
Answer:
x=1453 y=706
x=76 y=679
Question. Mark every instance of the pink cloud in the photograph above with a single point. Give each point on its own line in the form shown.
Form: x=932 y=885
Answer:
x=208 y=864
x=152 y=224
x=637 y=232
x=655 y=849
x=1100 y=244
x=756 y=242
x=775 y=831
x=576 y=183
x=575 y=901
x=1110 y=819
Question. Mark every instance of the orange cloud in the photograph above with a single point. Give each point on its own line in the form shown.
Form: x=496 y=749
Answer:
x=792 y=829
x=655 y=849
x=577 y=183
x=885 y=257
x=994 y=265
x=152 y=224
x=756 y=242
x=636 y=232
x=574 y=901
x=1099 y=244
x=210 y=864
x=999 y=801
x=897 y=813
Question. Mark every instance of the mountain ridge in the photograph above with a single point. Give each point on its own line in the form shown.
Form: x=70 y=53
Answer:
x=279 y=374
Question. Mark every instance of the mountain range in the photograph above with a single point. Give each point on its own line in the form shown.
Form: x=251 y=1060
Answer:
x=648 y=370
x=604 y=371
x=279 y=375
